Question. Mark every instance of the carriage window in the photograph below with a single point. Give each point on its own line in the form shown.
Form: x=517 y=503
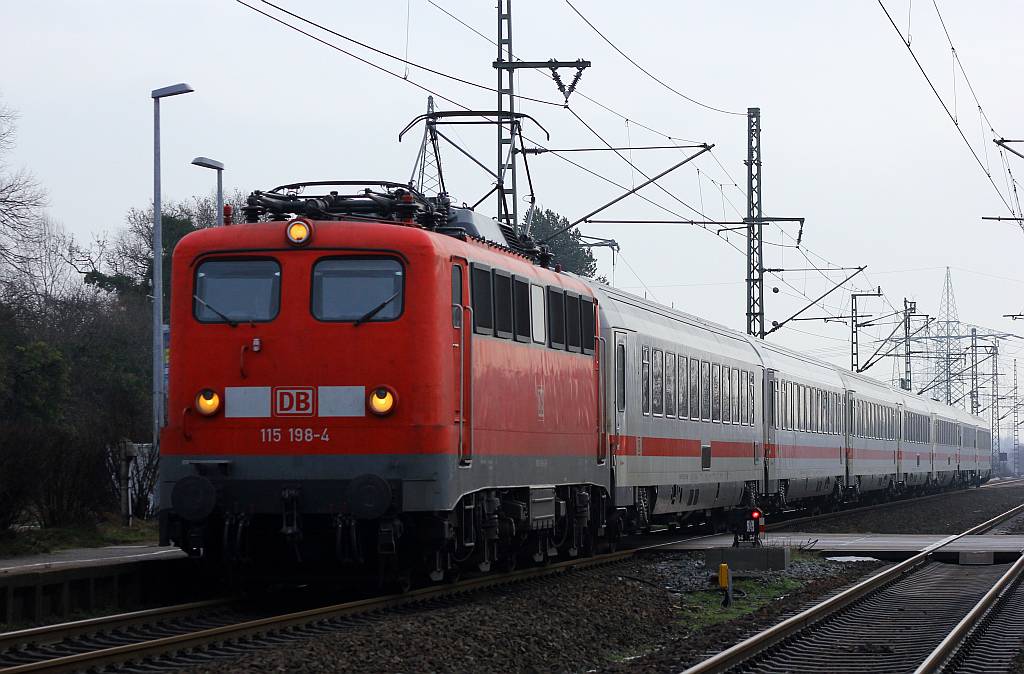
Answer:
x=716 y=392
x=620 y=377
x=572 y=322
x=750 y=402
x=726 y=396
x=684 y=397
x=645 y=380
x=357 y=289
x=556 y=318
x=589 y=328
x=694 y=389
x=502 y=304
x=230 y=291
x=784 y=410
x=735 y=397
x=705 y=390
x=705 y=457
x=483 y=301
x=658 y=384
x=537 y=314
x=670 y=384
x=521 y=309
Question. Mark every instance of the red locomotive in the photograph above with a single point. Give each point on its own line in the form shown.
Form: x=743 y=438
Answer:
x=381 y=380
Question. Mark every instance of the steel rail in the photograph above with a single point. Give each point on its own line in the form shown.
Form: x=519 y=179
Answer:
x=958 y=635
x=47 y=634
x=261 y=626
x=751 y=646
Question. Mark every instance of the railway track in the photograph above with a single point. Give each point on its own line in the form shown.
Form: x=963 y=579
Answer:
x=179 y=636
x=172 y=637
x=917 y=616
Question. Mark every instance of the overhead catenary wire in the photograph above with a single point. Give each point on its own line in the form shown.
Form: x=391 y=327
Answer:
x=647 y=72
x=405 y=61
x=945 y=107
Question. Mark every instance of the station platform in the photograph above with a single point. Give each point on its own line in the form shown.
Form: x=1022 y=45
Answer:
x=84 y=557
x=56 y=585
x=876 y=545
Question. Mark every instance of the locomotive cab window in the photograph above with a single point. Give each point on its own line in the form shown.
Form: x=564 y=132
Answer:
x=456 y=296
x=357 y=289
x=232 y=291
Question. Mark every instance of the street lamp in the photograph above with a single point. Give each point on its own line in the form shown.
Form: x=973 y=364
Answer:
x=158 y=267
x=217 y=166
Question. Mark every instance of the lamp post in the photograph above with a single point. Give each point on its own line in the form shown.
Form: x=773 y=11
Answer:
x=217 y=166
x=158 y=267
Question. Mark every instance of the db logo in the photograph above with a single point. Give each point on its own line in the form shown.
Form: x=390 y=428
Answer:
x=293 y=402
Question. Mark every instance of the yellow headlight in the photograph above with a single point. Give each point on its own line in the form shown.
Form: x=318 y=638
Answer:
x=299 y=231
x=382 y=401
x=207 y=402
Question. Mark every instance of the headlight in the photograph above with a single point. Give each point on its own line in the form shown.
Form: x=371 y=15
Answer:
x=299 y=231
x=382 y=401
x=207 y=402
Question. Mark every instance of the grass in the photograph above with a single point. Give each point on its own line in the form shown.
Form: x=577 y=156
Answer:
x=704 y=609
x=41 y=541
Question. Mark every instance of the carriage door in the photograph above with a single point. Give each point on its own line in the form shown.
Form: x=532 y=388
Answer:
x=462 y=361
x=769 y=402
x=618 y=397
x=849 y=430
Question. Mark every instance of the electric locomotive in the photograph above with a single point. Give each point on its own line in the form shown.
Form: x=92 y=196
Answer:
x=335 y=399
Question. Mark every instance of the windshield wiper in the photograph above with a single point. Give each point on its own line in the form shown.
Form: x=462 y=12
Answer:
x=374 y=311
x=233 y=323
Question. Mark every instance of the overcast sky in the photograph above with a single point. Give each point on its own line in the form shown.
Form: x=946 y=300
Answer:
x=853 y=138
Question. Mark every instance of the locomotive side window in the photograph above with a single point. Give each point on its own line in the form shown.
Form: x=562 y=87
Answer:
x=670 y=384
x=657 y=384
x=645 y=380
x=556 y=318
x=587 y=316
x=572 y=322
x=620 y=377
x=537 y=314
x=694 y=388
x=521 y=309
x=357 y=289
x=230 y=291
x=684 y=397
x=483 y=306
x=456 y=296
x=502 y=304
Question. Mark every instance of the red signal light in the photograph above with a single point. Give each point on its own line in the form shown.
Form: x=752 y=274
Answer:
x=755 y=515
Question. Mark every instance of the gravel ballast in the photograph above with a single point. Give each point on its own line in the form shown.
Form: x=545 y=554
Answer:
x=630 y=616
x=947 y=514
x=653 y=613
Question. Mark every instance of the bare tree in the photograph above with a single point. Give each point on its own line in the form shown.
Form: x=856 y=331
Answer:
x=21 y=196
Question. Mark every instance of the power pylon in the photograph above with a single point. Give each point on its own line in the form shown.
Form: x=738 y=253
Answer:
x=427 y=177
x=947 y=342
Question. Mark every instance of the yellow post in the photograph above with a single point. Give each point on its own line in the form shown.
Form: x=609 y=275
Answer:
x=723 y=576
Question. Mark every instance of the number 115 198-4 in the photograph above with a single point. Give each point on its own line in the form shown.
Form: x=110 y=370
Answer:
x=293 y=435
